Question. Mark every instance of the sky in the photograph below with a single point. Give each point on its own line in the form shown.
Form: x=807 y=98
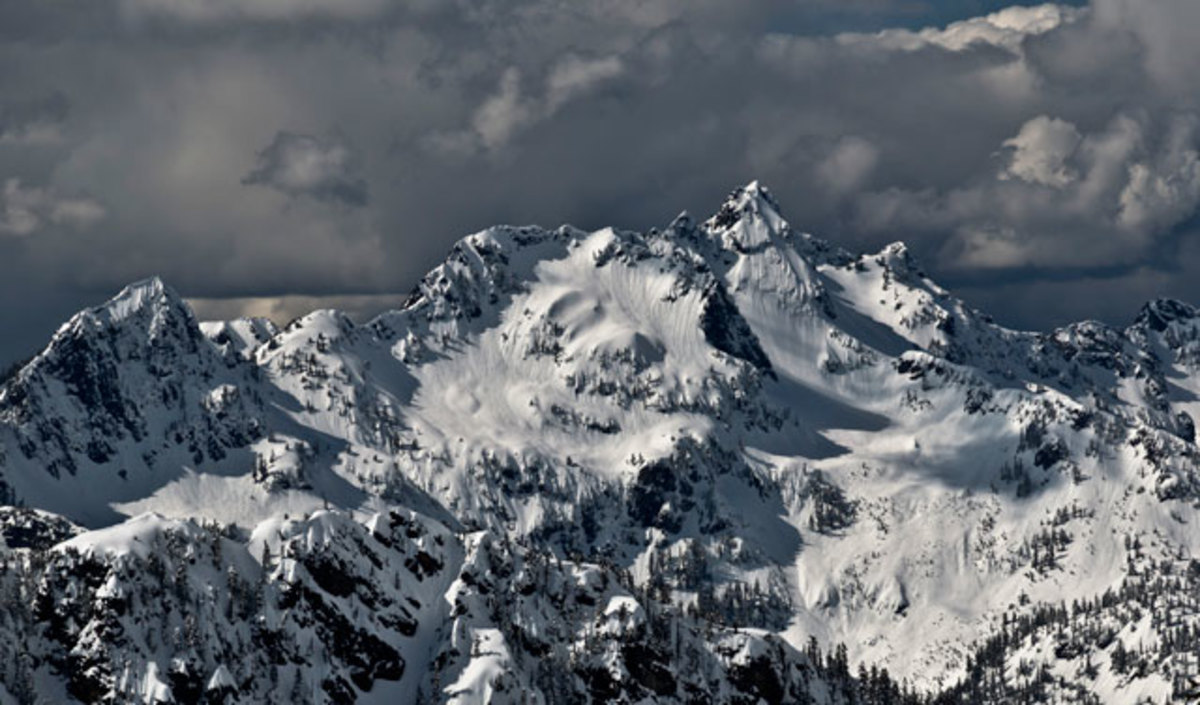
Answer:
x=267 y=157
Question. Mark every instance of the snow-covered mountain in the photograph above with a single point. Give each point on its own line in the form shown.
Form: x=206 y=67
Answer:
x=718 y=462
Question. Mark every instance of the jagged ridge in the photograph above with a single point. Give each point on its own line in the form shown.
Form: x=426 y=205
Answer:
x=731 y=425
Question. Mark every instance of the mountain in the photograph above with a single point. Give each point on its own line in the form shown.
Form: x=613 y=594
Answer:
x=724 y=461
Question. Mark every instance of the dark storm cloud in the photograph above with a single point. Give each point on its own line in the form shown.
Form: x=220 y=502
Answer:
x=210 y=142
x=321 y=168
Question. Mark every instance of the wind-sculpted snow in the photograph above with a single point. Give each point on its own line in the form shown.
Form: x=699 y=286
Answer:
x=675 y=466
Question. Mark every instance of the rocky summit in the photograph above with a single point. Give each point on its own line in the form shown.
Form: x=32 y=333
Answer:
x=720 y=462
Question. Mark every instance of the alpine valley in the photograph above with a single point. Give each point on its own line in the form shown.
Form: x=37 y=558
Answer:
x=721 y=462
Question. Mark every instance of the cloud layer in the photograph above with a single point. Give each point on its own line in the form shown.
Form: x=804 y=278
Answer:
x=308 y=149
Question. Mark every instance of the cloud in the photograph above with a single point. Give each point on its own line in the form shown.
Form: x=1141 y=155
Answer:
x=1029 y=142
x=1167 y=32
x=26 y=210
x=1040 y=151
x=1062 y=199
x=321 y=168
x=33 y=121
x=1009 y=28
x=1165 y=191
x=574 y=75
x=848 y=165
x=508 y=111
x=284 y=309
x=212 y=11
x=503 y=113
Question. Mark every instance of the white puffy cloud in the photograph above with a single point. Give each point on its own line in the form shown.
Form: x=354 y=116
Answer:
x=1040 y=152
x=1063 y=199
x=1009 y=28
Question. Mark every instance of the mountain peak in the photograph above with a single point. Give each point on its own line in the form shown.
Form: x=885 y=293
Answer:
x=670 y=443
x=748 y=219
x=757 y=192
x=150 y=292
x=1160 y=313
x=899 y=259
x=147 y=310
x=149 y=297
x=683 y=221
x=751 y=200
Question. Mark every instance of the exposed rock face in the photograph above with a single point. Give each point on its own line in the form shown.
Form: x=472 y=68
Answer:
x=679 y=466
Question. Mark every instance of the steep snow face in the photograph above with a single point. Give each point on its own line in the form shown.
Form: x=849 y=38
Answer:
x=760 y=254
x=735 y=418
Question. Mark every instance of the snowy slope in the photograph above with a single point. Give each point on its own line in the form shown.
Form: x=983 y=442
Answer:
x=662 y=463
